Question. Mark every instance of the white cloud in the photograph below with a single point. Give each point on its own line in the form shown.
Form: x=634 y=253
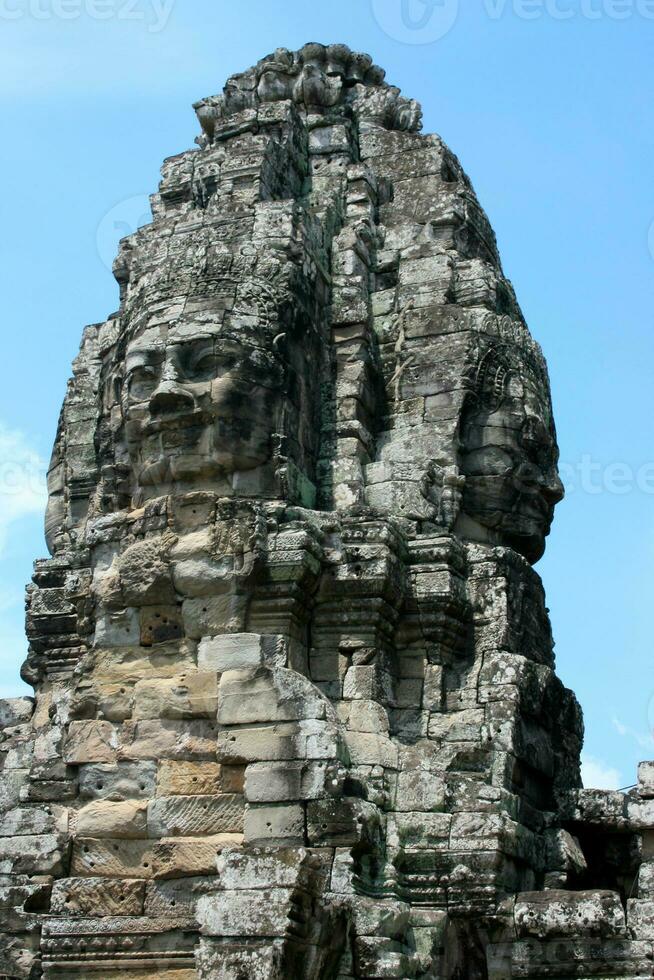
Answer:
x=22 y=481
x=596 y=775
x=643 y=739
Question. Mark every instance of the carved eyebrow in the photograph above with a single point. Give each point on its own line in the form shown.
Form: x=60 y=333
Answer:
x=194 y=351
x=140 y=358
x=133 y=368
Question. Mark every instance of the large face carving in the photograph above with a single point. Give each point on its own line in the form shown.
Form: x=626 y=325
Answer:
x=199 y=405
x=510 y=456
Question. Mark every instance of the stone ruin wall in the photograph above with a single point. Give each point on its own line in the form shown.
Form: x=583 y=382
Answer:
x=295 y=712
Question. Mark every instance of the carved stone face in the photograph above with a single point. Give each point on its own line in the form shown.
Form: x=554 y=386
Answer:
x=509 y=460
x=198 y=407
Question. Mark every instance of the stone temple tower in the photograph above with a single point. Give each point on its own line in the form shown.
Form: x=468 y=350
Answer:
x=295 y=714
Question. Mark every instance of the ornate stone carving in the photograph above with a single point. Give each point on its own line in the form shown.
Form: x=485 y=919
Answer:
x=317 y=79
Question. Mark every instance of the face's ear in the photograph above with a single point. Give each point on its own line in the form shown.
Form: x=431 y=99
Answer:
x=491 y=381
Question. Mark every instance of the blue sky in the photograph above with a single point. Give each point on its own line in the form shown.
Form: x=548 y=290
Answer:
x=548 y=104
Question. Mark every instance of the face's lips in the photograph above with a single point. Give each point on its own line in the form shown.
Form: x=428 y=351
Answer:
x=170 y=422
x=538 y=510
x=537 y=502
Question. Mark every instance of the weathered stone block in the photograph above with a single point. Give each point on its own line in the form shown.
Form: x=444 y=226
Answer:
x=171 y=858
x=123 y=781
x=33 y=820
x=15 y=711
x=267 y=782
x=168 y=739
x=18 y=956
x=35 y=855
x=160 y=624
x=366 y=749
x=90 y=741
x=265 y=961
x=261 y=743
x=419 y=830
x=190 y=695
x=432 y=697
x=329 y=139
x=13 y=785
x=338 y=822
x=247 y=697
x=103 y=818
x=247 y=913
x=646 y=780
x=646 y=880
x=384 y=958
x=177 y=896
x=281 y=824
x=97 y=896
x=188 y=857
x=557 y=913
x=185 y=816
x=367 y=716
x=189 y=779
x=257 y=867
x=213 y=616
x=236 y=651
x=118 y=629
x=362 y=683
x=419 y=790
x=112 y=859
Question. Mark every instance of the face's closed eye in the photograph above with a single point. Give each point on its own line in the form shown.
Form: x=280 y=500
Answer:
x=142 y=381
x=199 y=361
x=202 y=368
x=537 y=443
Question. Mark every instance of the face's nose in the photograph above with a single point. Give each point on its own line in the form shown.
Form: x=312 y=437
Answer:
x=170 y=398
x=553 y=489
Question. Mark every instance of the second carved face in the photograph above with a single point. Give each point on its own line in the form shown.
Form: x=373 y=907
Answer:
x=509 y=457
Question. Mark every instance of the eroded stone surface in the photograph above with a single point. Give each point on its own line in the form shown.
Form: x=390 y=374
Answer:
x=295 y=709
